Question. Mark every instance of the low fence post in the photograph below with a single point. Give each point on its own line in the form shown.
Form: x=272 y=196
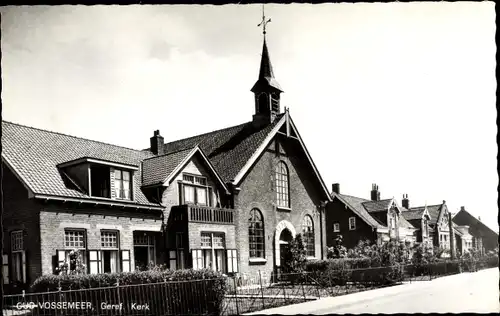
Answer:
x=262 y=291
x=302 y=283
x=236 y=296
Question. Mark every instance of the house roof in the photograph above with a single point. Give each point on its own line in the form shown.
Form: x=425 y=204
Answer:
x=357 y=207
x=34 y=155
x=377 y=206
x=463 y=217
x=413 y=215
x=228 y=149
x=434 y=211
x=156 y=169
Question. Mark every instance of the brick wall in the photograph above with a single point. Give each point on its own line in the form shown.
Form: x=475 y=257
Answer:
x=21 y=213
x=55 y=218
x=338 y=213
x=258 y=191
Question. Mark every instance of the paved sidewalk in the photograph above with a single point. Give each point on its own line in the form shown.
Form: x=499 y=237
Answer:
x=465 y=292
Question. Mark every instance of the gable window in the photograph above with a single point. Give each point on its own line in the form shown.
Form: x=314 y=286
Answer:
x=308 y=231
x=352 y=223
x=18 y=257
x=256 y=234
x=195 y=190
x=336 y=227
x=282 y=185
x=123 y=184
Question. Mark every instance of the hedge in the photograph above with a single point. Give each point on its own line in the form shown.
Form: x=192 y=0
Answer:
x=172 y=289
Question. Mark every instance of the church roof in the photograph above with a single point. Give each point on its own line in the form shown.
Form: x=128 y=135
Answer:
x=228 y=149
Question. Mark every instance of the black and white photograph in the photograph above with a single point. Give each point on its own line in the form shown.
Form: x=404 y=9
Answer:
x=244 y=159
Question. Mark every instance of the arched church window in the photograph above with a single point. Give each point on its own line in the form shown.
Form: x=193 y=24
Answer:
x=263 y=103
x=282 y=186
x=308 y=233
x=256 y=234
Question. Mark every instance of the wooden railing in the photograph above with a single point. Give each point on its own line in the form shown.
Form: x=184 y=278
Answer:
x=205 y=214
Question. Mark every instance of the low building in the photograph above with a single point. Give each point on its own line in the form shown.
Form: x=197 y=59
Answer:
x=483 y=238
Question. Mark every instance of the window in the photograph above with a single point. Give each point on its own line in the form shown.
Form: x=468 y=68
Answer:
x=308 y=232
x=393 y=223
x=282 y=194
x=195 y=190
x=336 y=227
x=212 y=255
x=256 y=234
x=74 y=239
x=352 y=223
x=123 y=184
x=18 y=257
x=144 y=250
x=426 y=228
x=176 y=256
x=109 y=256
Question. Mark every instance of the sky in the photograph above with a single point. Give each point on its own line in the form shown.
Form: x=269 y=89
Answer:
x=398 y=94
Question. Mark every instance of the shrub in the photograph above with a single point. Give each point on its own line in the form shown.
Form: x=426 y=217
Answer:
x=207 y=287
x=294 y=260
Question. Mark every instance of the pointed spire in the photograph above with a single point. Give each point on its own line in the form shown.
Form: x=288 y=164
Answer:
x=266 y=73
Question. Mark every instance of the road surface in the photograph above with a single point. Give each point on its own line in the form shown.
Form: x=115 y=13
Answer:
x=476 y=292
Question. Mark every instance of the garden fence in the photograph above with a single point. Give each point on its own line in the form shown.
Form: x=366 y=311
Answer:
x=243 y=293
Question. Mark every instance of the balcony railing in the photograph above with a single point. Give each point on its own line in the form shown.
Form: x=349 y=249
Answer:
x=206 y=214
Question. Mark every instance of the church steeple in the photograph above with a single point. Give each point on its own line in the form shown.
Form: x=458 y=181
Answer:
x=267 y=89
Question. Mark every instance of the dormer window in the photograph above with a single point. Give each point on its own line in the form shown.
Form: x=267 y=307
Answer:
x=123 y=184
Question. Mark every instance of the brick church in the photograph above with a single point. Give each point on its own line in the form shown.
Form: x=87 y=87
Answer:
x=229 y=200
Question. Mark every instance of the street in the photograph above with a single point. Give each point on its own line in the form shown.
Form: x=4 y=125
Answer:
x=476 y=292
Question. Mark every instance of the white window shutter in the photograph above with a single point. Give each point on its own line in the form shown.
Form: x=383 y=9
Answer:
x=24 y=265
x=94 y=263
x=194 y=258
x=235 y=260
x=5 y=269
x=61 y=257
x=125 y=256
x=229 y=256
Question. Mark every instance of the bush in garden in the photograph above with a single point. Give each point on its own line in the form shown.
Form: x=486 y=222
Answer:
x=207 y=287
x=294 y=260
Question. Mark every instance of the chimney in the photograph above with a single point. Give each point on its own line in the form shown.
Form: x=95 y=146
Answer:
x=405 y=202
x=462 y=208
x=375 y=194
x=157 y=143
x=336 y=188
x=479 y=217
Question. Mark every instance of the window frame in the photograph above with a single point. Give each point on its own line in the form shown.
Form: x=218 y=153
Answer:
x=353 y=226
x=282 y=184
x=308 y=235
x=17 y=257
x=119 y=181
x=256 y=233
x=336 y=227
x=196 y=186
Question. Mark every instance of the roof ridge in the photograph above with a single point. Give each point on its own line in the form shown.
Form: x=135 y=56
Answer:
x=356 y=197
x=59 y=133
x=204 y=134
x=171 y=153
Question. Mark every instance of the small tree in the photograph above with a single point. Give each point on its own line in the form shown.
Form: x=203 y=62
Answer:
x=74 y=265
x=295 y=256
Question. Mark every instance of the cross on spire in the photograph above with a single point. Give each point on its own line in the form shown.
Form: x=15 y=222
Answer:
x=264 y=22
